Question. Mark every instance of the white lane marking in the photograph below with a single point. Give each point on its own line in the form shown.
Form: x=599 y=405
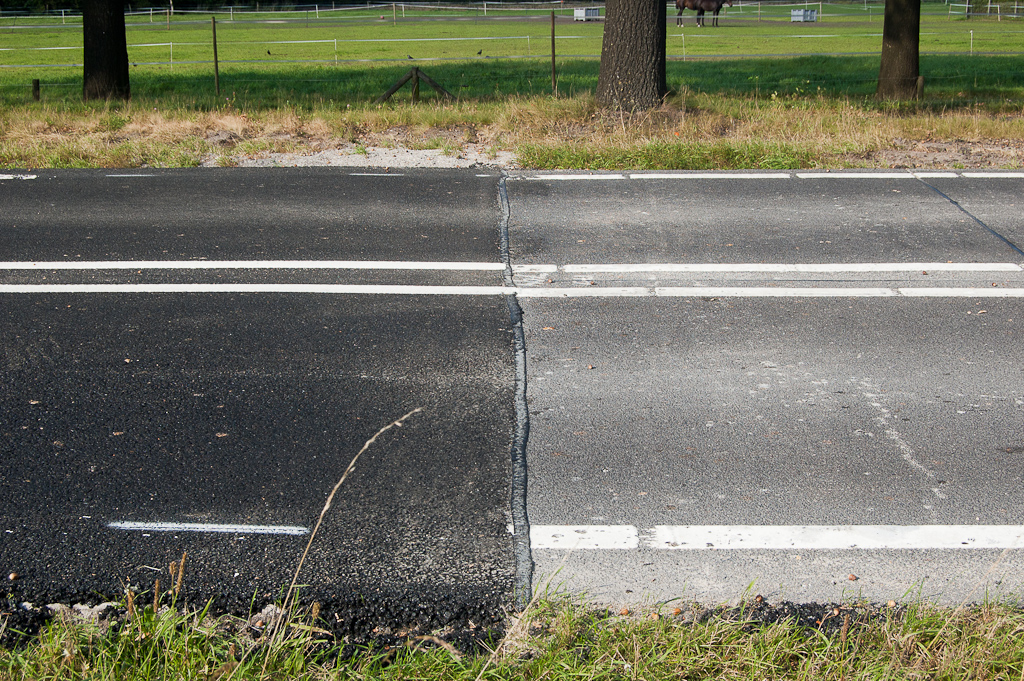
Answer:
x=377 y=174
x=710 y=176
x=259 y=288
x=133 y=175
x=575 y=177
x=962 y=292
x=857 y=176
x=252 y=264
x=841 y=537
x=795 y=267
x=595 y=291
x=772 y=292
x=996 y=175
x=570 y=537
x=929 y=174
x=18 y=177
x=209 y=527
x=535 y=269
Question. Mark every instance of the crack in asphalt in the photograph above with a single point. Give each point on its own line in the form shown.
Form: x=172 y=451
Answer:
x=972 y=216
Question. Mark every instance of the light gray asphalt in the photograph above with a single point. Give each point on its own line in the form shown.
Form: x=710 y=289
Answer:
x=779 y=411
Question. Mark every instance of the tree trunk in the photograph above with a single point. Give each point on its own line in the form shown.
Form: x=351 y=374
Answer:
x=632 y=75
x=105 y=58
x=901 y=35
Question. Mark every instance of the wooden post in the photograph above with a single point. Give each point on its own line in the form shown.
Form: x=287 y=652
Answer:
x=216 y=66
x=554 y=80
x=394 y=14
x=35 y=89
x=415 y=85
x=168 y=18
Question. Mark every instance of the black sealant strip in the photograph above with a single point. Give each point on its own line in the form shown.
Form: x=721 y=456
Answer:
x=520 y=519
x=971 y=216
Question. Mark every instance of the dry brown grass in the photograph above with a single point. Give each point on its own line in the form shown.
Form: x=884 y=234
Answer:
x=825 y=131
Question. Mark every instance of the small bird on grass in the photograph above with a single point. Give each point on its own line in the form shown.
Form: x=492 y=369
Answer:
x=410 y=56
x=268 y=51
x=480 y=52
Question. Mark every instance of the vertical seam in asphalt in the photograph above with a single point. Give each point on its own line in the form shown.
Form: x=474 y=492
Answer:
x=971 y=216
x=520 y=520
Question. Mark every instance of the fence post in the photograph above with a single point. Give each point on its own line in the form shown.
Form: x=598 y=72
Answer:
x=554 y=81
x=216 y=66
x=35 y=89
x=415 y=84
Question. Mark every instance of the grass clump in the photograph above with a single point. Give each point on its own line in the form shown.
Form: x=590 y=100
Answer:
x=559 y=638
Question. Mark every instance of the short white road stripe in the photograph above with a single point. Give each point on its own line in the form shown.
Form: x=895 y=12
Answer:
x=962 y=292
x=772 y=292
x=534 y=269
x=575 y=177
x=836 y=537
x=593 y=291
x=133 y=175
x=259 y=288
x=570 y=537
x=252 y=265
x=796 y=267
x=857 y=176
x=209 y=527
x=17 y=177
x=377 y=174
x=930 y=174
x=710 y=176
x=1017 y=175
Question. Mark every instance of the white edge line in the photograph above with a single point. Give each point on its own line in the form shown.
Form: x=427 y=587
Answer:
x=993 y=175
x=252 y=264
x=209 y=527
x=710 y=176
x=962 y=292
x=835 y=537
x=258 y=288
x=18 y=177
x=572 y=537
x=772 y=292
x=574 y=177
x=857 y=176
x=133 y=175
x=924 y=175
x=794 y=267
x=377 y=174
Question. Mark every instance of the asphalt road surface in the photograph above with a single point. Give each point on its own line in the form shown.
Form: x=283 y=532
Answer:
x=211 y=408
x=803 y=384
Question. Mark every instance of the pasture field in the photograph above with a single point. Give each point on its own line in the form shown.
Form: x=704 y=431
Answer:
x=758 y=90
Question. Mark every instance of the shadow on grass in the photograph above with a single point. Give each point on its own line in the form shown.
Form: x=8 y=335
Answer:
x=995 y=82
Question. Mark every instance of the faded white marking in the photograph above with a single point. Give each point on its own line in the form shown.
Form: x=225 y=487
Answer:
x=595 y=291
x=856 y=176
x=575 y=177
x=710 y=176
x=571 y=537
x=17 y=177
x=992 y=292
x=259 y=288
x=772 y=292
x=798 y=267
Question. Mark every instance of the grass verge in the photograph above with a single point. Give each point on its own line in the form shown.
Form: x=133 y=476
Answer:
x=561 y=638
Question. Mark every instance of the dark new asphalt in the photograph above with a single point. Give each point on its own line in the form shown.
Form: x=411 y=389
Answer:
x=246 y=408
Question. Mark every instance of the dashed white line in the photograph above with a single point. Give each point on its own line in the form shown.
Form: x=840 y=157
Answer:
x=17 y=177
x=208 y=527
x=252 y=264
x=534 y=269
x=993 y=175
x=377 y=174
x=133 y=175
x=857 y=176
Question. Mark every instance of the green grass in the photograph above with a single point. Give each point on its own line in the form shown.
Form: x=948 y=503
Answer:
x=557 y=639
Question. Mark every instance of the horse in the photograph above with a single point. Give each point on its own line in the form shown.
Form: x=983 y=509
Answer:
x=701 y=6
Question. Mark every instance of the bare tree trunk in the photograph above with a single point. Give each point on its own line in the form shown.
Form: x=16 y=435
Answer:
x=632 y=75
x=901 y=36
x=105 y=72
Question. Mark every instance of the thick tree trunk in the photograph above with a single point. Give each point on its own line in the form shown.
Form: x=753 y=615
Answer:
x=105 y=72
x=632 y=75
x=901 y=36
